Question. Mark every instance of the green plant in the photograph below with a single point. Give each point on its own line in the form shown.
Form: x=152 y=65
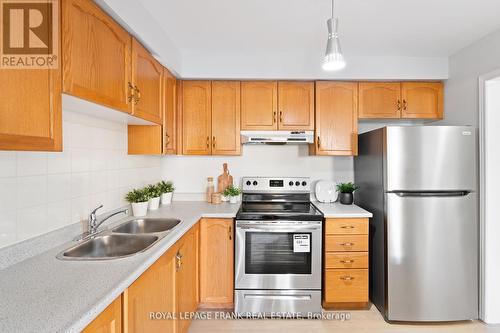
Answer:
x=232 y=191
x=165 y=187
x=347 y=187
x=137 y=195
x=153 y=191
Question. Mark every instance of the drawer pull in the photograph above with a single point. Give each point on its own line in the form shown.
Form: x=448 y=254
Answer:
x=347 y=227
x=347 y=261
x=347 y=244
x=347 y=278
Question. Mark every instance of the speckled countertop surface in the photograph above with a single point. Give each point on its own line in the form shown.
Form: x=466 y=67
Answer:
x=44 y=294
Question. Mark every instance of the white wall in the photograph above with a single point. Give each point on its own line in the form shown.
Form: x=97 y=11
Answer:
x=190 y=173
x=40 y=192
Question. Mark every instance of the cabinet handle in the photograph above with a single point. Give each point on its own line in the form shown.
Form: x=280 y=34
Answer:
x=347 y=278
x=138 y=96
x=347 y=244
x=230 y=233
x=208 y=142
x=167 y=137
x=347 y=261
x=178 y=258
x=347 y=227
x=319 y=144
x=213 y=142
x=399 y=105
x=131 y=96
x=274 y=117
x=281 y=117
x=405 y=105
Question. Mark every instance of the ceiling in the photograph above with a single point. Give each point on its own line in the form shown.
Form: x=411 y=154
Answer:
x=216 y=32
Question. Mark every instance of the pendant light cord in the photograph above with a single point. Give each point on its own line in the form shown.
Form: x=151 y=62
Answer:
x=333 y=6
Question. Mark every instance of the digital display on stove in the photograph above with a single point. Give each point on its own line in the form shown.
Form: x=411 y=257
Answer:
x=276 y=183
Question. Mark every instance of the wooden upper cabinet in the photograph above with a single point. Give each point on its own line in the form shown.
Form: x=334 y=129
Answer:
x=296 y=106
x=216 y=263
x=169 y=113
x=259 y=105
x=96 y=56
x=196 y=103
x=422 y=100
x=147 y=76
x=226 y=118
x=336 y=118
x=380 y=100
x=109 y=321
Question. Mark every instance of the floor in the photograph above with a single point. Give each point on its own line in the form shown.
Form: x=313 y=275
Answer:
x=366 y=321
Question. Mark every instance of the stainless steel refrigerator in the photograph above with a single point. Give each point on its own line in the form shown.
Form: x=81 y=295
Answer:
x=420 y=184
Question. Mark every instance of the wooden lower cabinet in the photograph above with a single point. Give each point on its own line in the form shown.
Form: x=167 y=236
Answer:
x=109 y=321
x=216 y=263
x=345 y=271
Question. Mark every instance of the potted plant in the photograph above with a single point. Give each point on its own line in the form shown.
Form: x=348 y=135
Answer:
x=138 y=198
x=346 y=192
x=167 y=190
x=232 y=192
x=154 y=193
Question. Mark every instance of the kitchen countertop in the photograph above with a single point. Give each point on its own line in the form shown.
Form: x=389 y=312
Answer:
x=44 y=294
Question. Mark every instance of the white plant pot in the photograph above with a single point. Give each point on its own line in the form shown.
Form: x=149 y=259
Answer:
x=224 y=198
x=154 y=203
x=140 y=208
x=166 y=198
x=233 y=200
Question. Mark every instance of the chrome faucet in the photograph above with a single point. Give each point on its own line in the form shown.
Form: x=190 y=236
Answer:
x=93 y=224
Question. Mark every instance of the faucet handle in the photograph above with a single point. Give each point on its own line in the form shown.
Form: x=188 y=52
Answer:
x=96 y=209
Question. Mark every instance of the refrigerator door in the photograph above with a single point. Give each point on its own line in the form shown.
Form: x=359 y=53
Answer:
x=432 y=257
x=430 y=158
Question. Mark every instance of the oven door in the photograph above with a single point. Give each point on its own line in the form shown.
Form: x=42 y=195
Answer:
x=278 y=255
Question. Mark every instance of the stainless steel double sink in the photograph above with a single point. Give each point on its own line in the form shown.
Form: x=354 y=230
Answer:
x=126 y=239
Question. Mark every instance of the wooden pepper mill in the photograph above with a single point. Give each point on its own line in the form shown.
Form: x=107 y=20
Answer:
x=224 y=180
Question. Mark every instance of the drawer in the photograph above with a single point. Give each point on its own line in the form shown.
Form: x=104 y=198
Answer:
x=346 y=285
x=345 y=260
x=346 y=226
x=346 y=243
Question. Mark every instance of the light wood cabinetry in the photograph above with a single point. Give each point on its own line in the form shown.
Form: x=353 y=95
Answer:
x=336 y=118
x=295 y=106
x=187 y=276
x=169 y=113
x=147 y=77
x=422 y=100
x=345 y=274
x=380 y=100
x=96 y=56
x=109 y=321
x=144 y=140
x=226 y=118
x=216 y=263
x=259 y=100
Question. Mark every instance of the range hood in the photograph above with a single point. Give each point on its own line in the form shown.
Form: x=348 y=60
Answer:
x=277 y=137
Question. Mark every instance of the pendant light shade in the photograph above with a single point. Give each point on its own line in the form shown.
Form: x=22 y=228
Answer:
x=334 y=60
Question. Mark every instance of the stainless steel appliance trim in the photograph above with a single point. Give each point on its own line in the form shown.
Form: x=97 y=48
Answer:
x=267 y=302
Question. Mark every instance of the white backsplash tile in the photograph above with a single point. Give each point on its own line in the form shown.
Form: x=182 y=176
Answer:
x=8 y=225
x=80 y=184
x=31 y=163
x=8 y=165
x=31 y=191
x=59 y=162
x=80 y=159
x=58 y=214
x=31 y=221
x=8 y=194
x=58 y=187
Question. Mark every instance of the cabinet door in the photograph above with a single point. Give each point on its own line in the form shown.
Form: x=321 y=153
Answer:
x=109 y=321
x=226 y=118
x=422 y=100
x=258 y=105
x=187 y=276
x=336 y=118
x=169 y=113
x=296 y=106
x=196 y=117
x=216 y=263
x=144 y=139
x=380 y=100
x=147 y=76
x=30 y=112
x=96 y=56
x=153 y=291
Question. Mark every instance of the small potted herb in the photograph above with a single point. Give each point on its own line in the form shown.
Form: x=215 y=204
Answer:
x=154 y=193
x=138 y=198
x=346 y=192
x=232 y=192
x=167 y=190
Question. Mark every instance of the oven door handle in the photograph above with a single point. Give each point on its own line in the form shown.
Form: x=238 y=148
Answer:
x=279 y=228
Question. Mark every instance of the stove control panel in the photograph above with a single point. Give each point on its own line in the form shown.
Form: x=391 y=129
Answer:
x=276 y=184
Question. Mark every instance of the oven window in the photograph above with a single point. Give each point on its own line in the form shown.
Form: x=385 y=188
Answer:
x=272 y=253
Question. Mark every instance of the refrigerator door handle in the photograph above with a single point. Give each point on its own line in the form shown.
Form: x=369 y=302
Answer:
x=432 y=194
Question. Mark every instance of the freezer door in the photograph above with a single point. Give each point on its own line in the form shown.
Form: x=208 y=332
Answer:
x=432 y=257
x=430 y=158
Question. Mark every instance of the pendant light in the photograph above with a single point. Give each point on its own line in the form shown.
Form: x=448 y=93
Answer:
x=334 y=60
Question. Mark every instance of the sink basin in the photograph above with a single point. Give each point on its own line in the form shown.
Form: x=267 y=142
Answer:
x=147 y=225
x=109 y=247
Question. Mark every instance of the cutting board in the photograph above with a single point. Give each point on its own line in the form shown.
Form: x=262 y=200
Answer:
x=224 y=180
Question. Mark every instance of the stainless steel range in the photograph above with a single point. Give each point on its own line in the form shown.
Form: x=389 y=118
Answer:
x=278 y=248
